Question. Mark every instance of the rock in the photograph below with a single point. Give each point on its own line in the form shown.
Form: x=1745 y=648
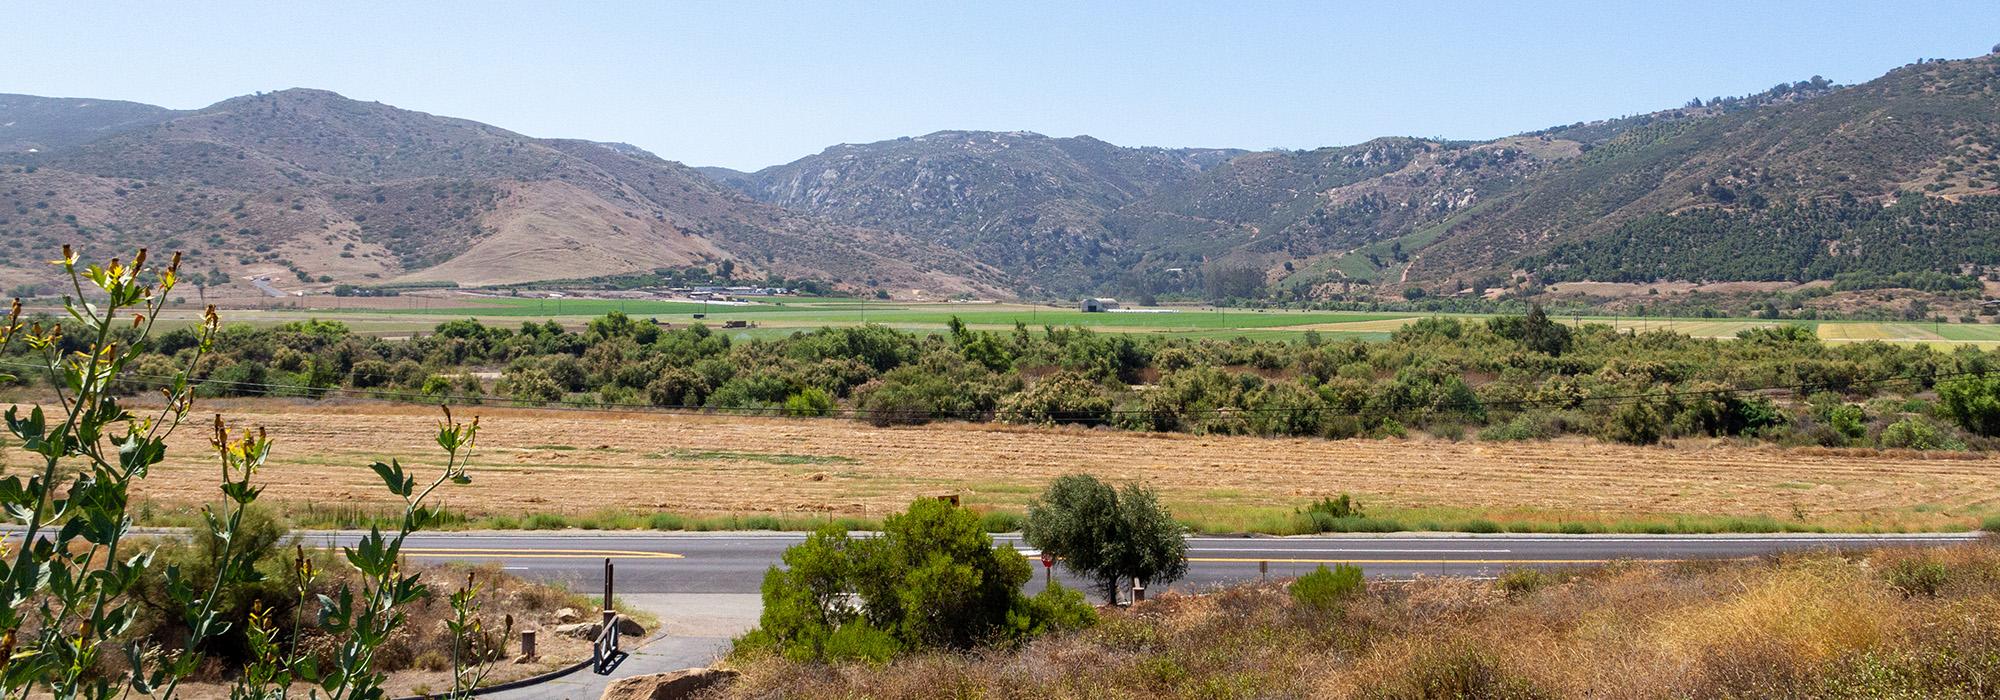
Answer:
x=580 y=630
x=630 y=627
x=568 y=615
x=668 y=686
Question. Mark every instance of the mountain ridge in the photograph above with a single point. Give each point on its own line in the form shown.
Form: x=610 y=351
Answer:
x=308 y=184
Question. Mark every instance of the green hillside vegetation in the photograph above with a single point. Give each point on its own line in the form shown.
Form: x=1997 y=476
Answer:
x=1916 y=235
x=1680 y=197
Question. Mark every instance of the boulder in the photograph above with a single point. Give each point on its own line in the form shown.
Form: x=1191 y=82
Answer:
x=630 y=627
x=668 y=686
x=568 y=615
x=580 y=630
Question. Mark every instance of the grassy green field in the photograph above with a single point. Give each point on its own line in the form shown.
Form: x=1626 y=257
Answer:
x=783 y=317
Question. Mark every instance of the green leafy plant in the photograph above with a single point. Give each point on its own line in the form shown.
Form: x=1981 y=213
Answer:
x=932 y=580
x=1326 y=589
x=1109 y=536
x=70 y=583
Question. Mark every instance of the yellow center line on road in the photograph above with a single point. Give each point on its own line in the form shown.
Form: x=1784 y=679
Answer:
x=538 y=553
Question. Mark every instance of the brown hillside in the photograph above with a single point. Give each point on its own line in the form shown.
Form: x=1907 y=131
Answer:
x=315 y=189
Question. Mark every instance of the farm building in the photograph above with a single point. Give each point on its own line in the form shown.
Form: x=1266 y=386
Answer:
x=1099 y=304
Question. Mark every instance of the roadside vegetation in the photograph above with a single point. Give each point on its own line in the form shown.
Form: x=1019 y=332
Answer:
x=933 y=580
x=92 y=611
x=1896 y=623
x=1507 y=378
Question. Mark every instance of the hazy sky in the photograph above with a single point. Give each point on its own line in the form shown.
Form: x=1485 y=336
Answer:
x=746 y=85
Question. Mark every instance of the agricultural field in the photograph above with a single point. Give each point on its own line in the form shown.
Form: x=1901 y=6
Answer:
x=638 y=463
x=414 y=314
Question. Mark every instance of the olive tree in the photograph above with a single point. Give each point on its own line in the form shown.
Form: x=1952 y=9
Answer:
x=1107 y=535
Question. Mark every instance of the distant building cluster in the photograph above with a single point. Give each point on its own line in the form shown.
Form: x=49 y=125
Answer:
x=720 y=293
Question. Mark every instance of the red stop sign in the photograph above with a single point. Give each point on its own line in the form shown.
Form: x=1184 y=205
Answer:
x=1048 y=560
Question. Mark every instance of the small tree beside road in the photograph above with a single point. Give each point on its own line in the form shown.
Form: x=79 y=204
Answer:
x=1107 y=535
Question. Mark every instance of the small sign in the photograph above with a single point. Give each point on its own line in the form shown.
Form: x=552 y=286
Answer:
x=1048 y=560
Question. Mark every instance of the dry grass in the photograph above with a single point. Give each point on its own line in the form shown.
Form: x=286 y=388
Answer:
x=1802 y=626
x=574 y=463
x=417 y=655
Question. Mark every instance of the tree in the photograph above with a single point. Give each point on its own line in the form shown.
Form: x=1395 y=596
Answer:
x=1105 y=535
x=933 y=579
x=1544 y=335
x=1973 y=402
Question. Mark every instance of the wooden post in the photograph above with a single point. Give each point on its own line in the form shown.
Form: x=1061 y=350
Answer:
x=527 y=646
x=607 y=584
x=1263 y=570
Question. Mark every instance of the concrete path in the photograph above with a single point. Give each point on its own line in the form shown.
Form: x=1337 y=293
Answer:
x=698 y=627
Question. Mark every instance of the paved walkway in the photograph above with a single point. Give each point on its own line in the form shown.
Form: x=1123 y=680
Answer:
x=698 y=629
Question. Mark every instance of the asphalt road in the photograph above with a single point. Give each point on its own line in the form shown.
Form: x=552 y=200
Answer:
x=682 y=563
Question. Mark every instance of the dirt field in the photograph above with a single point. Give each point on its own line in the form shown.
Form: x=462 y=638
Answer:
x=575 y=462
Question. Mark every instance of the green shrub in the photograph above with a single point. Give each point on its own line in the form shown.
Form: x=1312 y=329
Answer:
x=1522 y=581
x=1342 y=507
x=1972 y=402
x=1917 y=576
x=1849 y=420
x=532 y=386
x=1057 y=608
x=666 y=521
x=932 y=579
x=810 y=402
x=1326 y=589
x=858 y=641
x=1532 y=425
x=1919 y=434
x=1062 y=398
x=1635 y=423
x=1990 y=524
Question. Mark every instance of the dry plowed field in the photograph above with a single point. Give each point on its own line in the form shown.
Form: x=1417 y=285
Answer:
x=571 y=462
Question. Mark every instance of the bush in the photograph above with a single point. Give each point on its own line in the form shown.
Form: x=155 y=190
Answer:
x=1326 y=589
x=1342 y=507
x=533 y=386
x=1916 y=576
x=1521 y=581
x=1532 y=425
x=932 y=579
x=1972 y=402
x=1055 y=609
x=1061 y=398
x=1849 y=420
x=1635 y=423
x=1918 y=434
x=811 y=402
x=917 y=394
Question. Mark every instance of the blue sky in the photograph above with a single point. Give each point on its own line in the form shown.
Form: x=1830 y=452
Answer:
x=748 y=84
